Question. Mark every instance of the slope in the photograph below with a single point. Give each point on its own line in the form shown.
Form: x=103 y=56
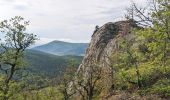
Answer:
x=48 y=64
x=63 y=48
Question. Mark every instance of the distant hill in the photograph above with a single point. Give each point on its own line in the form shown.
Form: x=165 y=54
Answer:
x=63 y=48
x=48 y=64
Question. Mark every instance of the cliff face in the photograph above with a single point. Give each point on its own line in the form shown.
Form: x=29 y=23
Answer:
x=102 y=46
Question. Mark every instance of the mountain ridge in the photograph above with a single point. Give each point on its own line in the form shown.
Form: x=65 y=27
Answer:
x=62 y=48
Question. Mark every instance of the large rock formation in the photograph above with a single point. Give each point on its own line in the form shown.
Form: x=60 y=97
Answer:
x=102 y=46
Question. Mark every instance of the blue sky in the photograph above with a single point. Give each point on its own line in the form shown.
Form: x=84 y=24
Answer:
x=67 y=20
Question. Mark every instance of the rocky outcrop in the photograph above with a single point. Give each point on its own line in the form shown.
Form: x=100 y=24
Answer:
x=102 y=46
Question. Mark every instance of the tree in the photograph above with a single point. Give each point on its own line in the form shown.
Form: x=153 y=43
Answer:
x=67 y=80
x=145 y=45
x=87 y=84
x=131 y=58
x=156 y=18
x=17 y=40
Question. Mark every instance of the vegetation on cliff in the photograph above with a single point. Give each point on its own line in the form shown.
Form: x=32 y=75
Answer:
x=137 y=67
x=140 y=61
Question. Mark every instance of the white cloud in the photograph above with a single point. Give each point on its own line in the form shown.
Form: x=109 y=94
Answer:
x=68 y=19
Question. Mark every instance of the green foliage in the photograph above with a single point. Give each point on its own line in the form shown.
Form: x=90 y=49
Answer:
x=161 y=88
x=49 y=93
x=141 y=64
x=143 y=56
x=16 y=40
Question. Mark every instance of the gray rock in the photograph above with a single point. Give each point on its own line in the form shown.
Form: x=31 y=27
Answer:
x=102 y=46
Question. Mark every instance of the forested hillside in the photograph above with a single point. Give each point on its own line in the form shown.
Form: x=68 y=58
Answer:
x=47 y=64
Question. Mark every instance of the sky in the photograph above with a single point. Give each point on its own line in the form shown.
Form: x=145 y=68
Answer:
x=66 y=20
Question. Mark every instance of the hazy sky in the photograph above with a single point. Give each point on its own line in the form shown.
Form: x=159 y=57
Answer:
x=69 y=20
